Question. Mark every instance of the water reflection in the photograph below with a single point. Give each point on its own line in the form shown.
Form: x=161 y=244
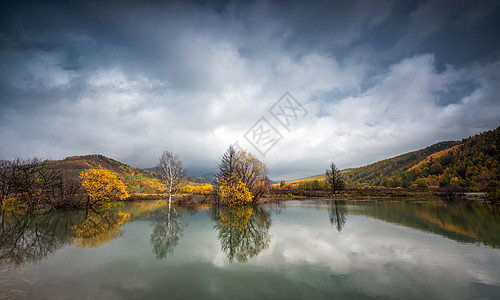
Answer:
x=168 y=229
x=29 y=238
x=466 y=222
x=337 y=211
x=243 y=230
x=99 y=227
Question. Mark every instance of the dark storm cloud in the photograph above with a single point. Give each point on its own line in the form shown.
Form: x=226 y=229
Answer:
x=129 y=79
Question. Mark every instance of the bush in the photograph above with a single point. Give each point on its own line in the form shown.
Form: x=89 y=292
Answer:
x=493 y=183
x=204 y=189
x=234 y=194
x=452 y=192
x=421 y=183
x=186 y=189
x=12 y=203
x=493 y=195
x=312 y=185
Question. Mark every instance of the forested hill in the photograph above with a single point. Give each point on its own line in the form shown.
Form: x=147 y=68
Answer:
x=137 y=180
x=471 y=162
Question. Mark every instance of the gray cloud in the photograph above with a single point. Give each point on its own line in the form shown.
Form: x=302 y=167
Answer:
x=131 y=79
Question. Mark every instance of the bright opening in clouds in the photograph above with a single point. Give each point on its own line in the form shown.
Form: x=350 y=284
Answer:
x=129 y=79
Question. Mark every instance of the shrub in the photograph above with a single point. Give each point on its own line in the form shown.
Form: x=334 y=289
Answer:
x=186 y=189
x=234 y=193
x=421 y=183
x=452 y=192
x=204 y=189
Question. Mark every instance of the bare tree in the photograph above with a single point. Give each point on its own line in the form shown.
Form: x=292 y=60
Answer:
x=66 y=192
x=38 y=183
x=334 y=180
x=253 y=173
x=171 y=172
x=32 y=181
x=6 y=182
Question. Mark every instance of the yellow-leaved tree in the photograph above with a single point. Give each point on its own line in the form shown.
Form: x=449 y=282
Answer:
x=240 y=172
x=102 y=186
x=234 y=193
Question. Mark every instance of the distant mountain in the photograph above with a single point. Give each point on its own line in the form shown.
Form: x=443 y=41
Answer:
x=190 y=178
x=471 y=162
x=209 y=177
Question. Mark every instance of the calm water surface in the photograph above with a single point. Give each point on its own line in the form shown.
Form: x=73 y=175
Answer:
x=294 y=250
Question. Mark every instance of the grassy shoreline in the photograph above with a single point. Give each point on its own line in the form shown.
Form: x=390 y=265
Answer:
x=352 y=194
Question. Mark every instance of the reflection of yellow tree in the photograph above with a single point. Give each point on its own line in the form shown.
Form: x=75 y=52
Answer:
x=236 y=218
x=243 y=230
x=99 y=227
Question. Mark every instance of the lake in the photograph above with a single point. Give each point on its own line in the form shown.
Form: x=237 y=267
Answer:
x=292 y=250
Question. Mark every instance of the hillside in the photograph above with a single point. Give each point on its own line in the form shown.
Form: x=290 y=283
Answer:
x=298 y=181
x=394 y=172
x=471 y=162
x=137 y=180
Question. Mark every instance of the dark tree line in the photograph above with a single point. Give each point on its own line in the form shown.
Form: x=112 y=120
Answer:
x=38 y=184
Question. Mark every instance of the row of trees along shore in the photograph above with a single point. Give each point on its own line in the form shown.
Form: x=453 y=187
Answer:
x=242 y=178
x=35 y=183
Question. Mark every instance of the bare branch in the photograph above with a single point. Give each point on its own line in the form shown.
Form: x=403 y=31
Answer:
x=171 y=172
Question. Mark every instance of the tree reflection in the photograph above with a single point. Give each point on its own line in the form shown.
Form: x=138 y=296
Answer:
x=99 y=227
x=465 y=222
x=243 y=230
x=167 y=232
x=29 y=238
x=337 y=211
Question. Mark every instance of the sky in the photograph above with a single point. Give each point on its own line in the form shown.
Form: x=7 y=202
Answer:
x=299 y=84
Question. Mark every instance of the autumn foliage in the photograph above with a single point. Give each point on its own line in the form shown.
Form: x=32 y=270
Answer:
x=98 y=228
x=203 y=189
x=234 y=193
x=471 y=163
x=102 y=186
x=240 y=175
